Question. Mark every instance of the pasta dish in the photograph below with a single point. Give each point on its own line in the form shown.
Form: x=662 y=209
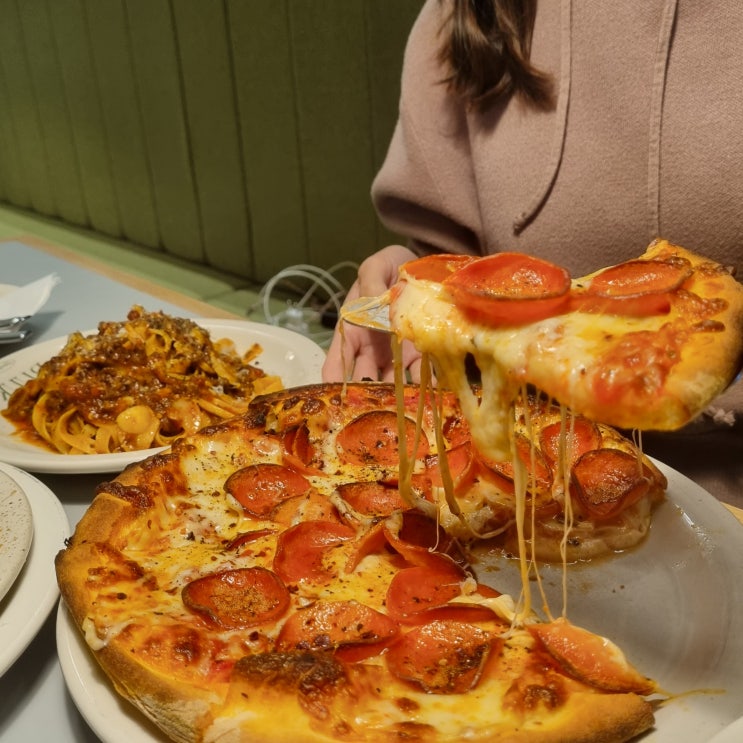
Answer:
x=136 y=384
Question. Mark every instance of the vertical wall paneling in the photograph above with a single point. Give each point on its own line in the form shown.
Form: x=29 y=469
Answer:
x=56 y=131
x=121 y=112
x=328 y=43
x=212 y=122
x=386 y=44
x=72 y=41
x=23 y=114
x=158 y=82
x=14 y=188
x=242 y=135
x=265 y=92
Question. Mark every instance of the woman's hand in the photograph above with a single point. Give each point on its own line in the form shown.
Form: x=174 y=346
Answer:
x=367 y=353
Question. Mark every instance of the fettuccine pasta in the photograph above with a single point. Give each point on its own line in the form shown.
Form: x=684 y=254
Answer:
x=136 y=385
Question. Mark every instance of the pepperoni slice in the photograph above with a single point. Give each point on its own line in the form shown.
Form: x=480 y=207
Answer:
x=580 y=435
x=635 y=288
x=372 y=498
x=590 y=658
x=421 y=541
x=460 y=460
x=443 y=657
x=372 y=438
x=237 y=599
x=641 y=277
x=509 y=289
x=435 y=267
x=372 y=542
x=465 y=612
x=259 y=487
x=414 y=591
x=247 y=537
x=301 y=551
x=606 y=481
x=329 y=625
x=538 y=471
x=297 y=442
x=312 y=506
x=420 y=484
x=456 y=431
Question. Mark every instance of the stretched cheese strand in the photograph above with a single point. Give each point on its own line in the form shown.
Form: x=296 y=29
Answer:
x=407 y=463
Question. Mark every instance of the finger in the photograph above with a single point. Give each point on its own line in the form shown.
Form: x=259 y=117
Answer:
x=411 y=361
x=414 y=370
x=340 y=356
x=378 y=272
x=365 y=368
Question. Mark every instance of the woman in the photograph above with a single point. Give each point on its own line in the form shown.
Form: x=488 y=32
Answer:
x=577 y=132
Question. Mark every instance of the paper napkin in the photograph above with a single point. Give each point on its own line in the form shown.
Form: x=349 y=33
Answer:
x=28 y=299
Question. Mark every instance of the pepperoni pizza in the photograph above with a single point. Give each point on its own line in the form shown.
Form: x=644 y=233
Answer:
x=280 y=576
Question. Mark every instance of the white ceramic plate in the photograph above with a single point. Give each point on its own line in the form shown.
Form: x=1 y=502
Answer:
x=295 y=358
x=34 y=592
x=674 y=604
x=731 y=734
x=16 y=531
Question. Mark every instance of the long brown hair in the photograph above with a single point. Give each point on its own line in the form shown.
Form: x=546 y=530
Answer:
x=487 y=45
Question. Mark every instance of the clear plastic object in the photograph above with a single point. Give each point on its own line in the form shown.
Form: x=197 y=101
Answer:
x=317 y=309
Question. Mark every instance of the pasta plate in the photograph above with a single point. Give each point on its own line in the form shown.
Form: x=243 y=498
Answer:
x=295 y=358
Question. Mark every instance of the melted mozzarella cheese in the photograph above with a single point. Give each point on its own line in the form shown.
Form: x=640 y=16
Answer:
x=543 y=353
x=506 y=359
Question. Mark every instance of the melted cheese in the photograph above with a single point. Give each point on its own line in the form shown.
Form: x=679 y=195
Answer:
x=538 y=354
x=506 y=358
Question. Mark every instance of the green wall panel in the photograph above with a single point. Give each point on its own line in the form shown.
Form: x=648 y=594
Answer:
x=241 y=135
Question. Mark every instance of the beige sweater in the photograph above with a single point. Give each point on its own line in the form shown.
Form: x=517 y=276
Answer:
x=645 y=140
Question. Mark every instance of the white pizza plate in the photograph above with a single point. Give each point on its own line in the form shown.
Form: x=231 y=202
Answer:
x=674 y=605
x=295 y=358
x=34 y=592
x=16 y=531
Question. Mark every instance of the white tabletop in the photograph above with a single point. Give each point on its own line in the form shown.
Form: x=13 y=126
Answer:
x=34 y=703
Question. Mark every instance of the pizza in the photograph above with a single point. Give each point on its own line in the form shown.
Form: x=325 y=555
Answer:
x=280 y=576
x=646 y=344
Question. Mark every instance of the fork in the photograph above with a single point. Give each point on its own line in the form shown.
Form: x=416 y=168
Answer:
x=10 y=336
x=368 y=312
x=12 y=323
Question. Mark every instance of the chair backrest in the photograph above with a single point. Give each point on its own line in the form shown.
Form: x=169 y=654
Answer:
x=240 y=134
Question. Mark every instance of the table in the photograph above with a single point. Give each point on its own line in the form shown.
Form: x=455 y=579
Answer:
x=34 y=703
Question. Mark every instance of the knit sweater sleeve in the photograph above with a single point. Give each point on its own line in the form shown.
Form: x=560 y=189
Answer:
x=426 y=188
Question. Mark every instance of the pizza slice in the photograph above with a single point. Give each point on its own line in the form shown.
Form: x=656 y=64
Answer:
x=646 y=344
